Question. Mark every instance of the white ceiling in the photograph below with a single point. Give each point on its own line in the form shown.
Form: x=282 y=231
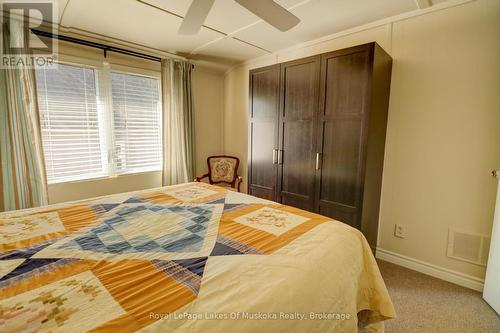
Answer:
x=231 y=33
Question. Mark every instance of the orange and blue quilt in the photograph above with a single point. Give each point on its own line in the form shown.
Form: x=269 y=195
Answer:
x=187 y=258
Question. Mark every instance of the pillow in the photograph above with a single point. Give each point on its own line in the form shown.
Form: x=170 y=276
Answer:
x=222 y=169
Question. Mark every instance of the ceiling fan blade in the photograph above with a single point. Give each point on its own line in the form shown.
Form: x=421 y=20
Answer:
x=272 y=13
x=195 y=17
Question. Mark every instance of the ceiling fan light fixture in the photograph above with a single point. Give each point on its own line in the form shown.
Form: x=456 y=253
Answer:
x=267 y=10
x=272 y=13
x=195 y=17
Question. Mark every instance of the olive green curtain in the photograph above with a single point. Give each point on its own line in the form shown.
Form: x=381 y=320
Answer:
x=23 y=181
x=178 y=122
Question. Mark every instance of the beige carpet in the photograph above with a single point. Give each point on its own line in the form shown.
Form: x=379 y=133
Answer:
x=426 y=304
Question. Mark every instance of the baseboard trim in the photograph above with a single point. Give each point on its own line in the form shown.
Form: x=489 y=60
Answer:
x=449 y=275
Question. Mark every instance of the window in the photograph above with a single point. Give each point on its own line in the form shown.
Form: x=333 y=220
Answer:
x=69 y=120
x=137 y=123
x=88 y=136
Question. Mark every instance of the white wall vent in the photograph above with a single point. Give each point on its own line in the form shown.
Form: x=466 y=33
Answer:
x=469 y=247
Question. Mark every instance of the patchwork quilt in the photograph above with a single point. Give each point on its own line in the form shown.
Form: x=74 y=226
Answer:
x=185 y=258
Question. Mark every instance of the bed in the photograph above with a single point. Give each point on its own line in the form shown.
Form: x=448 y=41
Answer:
x=185 y=258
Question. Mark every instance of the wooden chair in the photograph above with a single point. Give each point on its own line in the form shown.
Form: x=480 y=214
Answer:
x=223 y=169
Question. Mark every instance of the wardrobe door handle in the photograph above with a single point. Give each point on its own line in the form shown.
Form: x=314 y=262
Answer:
x=318 y=161
x=275 y=156
x=280 y=156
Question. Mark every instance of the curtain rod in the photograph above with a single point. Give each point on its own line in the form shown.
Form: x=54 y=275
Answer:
x=105 y=48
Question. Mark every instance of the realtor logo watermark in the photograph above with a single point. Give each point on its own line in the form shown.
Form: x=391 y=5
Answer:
x=19 y=46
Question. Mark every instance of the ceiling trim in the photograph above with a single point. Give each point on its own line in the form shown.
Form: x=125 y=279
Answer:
x=75 y=32
x=103 y=39
x=178 y=15
x=64 y=11
x=204 y=46
x=371 y=25
x=103 y=47
x=244 y=41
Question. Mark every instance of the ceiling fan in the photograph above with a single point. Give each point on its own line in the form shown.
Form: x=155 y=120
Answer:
x=267 y=10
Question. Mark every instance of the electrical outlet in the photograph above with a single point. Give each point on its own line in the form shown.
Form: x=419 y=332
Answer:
x=400 y=231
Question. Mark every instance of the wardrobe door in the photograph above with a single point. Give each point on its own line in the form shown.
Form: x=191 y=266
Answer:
x=298 y=117
x=345 y=91
x=263 y=131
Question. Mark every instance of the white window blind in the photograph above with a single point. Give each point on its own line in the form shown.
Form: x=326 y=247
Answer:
x=137 y=123
x=69 y=121
x=96 y=123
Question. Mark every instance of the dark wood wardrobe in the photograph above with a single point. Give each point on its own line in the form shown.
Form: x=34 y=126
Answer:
x=317 y=134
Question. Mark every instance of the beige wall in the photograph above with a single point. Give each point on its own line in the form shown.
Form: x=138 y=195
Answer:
x=208 y=100
x=443 y=135
x=236 y=118
x=208 y=108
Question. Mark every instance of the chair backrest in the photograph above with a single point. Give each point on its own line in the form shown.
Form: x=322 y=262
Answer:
x=223 y=169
